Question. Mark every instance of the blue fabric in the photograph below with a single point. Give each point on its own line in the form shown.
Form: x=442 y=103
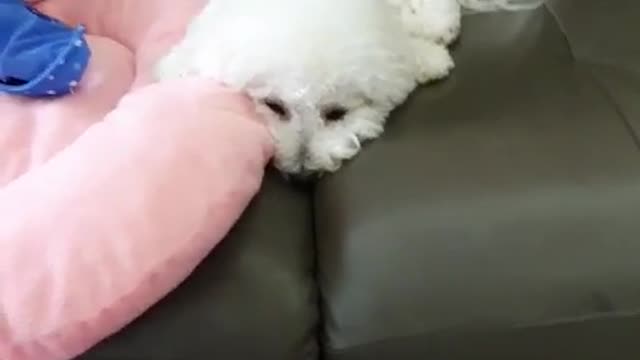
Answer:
x=39 y=56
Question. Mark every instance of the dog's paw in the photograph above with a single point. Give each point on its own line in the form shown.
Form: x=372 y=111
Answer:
x=329 y=150
x=437 y=21
x=367 y=130
x=345 y=148
x=433 y=61
x=445 y=35
x=328 y=154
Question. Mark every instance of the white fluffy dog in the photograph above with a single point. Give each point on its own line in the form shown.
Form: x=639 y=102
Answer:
x=324 y=73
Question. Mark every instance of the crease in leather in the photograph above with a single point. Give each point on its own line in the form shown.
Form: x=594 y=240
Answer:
x=515 y=326
x=595 y=79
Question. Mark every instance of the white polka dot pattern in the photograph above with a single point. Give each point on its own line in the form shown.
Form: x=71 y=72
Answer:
x=53 y=57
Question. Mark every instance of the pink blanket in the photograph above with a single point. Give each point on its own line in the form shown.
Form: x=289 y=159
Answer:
x=111 y=196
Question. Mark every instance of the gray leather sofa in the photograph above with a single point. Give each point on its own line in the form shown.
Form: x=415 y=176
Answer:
x=498 y=218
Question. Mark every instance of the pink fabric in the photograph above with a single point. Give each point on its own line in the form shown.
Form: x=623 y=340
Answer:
x=108 y=202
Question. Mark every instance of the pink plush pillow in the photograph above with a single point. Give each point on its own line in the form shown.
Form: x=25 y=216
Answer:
x=111 y=196
x=94 y=236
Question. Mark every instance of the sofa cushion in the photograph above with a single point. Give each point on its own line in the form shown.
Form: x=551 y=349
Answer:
x=497 y=218
x=598 y=35
x=253 y=298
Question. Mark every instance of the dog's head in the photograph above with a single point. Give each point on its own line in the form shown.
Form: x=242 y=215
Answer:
x=320 y=110
x=324 y=73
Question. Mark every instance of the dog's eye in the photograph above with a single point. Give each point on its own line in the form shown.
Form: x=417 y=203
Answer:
x=334 y=113
x=277 y=107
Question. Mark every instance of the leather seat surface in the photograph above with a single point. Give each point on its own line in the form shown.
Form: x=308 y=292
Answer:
x=497 y=218
x=253 y=298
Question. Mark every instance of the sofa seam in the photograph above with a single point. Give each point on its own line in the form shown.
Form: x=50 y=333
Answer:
x=595 y=80
x=319 y=327
x=563 y=30
x=598 y=83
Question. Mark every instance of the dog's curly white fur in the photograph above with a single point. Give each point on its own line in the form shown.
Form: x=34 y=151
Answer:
x=324 y=73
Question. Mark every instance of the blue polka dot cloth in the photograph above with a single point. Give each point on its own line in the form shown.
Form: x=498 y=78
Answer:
x=39 y=56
